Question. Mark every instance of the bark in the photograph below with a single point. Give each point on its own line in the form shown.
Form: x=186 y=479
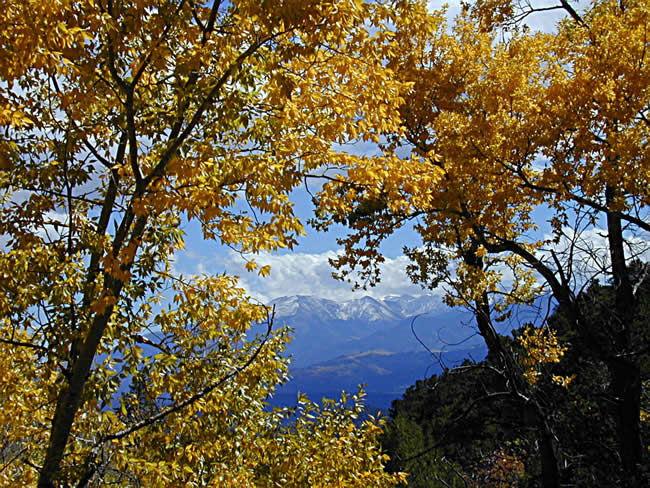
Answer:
x=549 y=462
x=520 y=390
x=626 y=389
x=625 y=373
x=70 y=397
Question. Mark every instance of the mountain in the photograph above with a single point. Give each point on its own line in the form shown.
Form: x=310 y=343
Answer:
x=306 y=307
x=409 y=305
x=324 y=329
x=365 y=309
x=376 y=342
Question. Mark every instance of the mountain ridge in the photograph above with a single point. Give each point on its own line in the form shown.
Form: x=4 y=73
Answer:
x=385 y=375
x=391 y=307
x=324 y=328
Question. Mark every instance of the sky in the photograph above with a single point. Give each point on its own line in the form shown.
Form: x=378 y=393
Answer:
x=305 y=270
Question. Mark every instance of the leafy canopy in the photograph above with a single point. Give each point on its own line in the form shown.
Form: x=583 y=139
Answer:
x=121 y=122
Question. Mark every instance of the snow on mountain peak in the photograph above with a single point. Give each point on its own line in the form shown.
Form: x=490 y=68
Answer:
x=366 y=308
x=305 y=305
x=411 y=305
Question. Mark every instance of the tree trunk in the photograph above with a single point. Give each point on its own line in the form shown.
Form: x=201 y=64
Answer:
x=626 y=388
x=625 y=374
x=520 y=389
x=549 y=463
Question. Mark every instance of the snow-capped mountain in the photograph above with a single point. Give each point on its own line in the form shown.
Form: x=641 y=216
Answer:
x=394 y=307
x=306 y=306
x=410 y=306
x=366 y=308
x=324 y=328
x=337 y=345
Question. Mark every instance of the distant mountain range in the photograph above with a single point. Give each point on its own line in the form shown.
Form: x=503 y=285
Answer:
x=365 y=308
x=385 y=375
x=386 y=343
x=324 y=329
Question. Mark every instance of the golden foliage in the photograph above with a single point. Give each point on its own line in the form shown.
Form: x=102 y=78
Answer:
x=514 y=144
x=122 y=124
x=541 y=347
x=497 y=129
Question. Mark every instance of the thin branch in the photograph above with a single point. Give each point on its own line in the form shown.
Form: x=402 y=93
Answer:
x=211 y=20
x=462 y=415
x=133 y=138
x=10 y=462
x=603 y=208
x=417 y=337
x=175 y=140
x=29 y=345
x=138 y=74
x=566 y=6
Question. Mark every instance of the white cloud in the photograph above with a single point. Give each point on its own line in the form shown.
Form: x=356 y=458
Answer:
x=309 y=273
x=303 y=274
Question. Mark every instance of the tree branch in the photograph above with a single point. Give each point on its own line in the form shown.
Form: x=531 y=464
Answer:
x=28 y=345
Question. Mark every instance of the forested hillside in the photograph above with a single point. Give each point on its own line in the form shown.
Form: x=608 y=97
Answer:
x=465 y=427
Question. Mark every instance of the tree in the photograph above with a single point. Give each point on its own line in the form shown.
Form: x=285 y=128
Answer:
x=404 y=440
x=123 y=122
x=503 y=125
